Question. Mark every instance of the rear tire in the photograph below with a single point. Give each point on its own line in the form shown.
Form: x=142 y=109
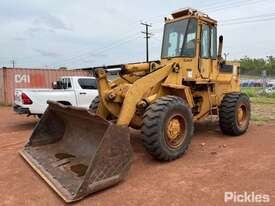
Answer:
x=94 y=105
x=167 y=128
x=234 y=114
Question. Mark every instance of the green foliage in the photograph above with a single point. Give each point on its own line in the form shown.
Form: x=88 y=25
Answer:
x=254 y=66
x=257 y=92
x=251 y=92
x=63 y=68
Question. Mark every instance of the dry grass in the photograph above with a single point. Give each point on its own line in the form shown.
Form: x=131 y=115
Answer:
x=263 y=110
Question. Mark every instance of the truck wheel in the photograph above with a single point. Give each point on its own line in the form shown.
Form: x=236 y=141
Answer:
x=234 y=114
x=167 y=128
x=94 y=105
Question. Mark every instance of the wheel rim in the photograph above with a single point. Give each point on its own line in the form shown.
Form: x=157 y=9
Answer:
x=242 y=115
x=175 y=131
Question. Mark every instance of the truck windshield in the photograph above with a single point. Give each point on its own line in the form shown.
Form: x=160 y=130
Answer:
x=179 y=39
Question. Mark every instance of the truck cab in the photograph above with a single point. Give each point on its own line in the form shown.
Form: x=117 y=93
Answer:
x=68 y=90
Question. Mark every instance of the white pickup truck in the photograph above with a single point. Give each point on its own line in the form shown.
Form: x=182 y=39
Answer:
x=75 y=91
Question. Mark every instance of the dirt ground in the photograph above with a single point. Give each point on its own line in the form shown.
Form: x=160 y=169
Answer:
x=213 y=165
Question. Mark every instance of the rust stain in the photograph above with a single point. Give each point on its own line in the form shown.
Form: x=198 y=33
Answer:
x=62 y=156
x=79 y=169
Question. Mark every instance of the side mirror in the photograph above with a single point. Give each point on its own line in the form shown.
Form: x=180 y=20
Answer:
x=57 y=85
x=54 y=85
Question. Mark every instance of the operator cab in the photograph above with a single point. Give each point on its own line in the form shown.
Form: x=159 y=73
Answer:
x=182 y=35
x=180 y=38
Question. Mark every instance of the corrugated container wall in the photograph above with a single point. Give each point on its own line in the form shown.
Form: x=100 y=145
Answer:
x=2 y=99
x=30 y=78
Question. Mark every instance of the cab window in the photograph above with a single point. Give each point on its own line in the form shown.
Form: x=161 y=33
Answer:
x=189 y=47
x=87 y=83
x=175 y=40
x=213 y=43
x=66 y=83
x=180 y=38
x=205 y=43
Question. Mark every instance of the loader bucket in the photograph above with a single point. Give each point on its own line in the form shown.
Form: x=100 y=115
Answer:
x=77 y=152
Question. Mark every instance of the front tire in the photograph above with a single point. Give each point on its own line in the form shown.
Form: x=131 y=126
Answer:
x=167 y=128
x=234 y=114
x=94 y=105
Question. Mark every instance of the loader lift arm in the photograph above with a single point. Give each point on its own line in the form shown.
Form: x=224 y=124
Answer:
x=134 y=95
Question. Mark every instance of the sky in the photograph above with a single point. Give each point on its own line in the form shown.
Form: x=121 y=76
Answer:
x=82 y=33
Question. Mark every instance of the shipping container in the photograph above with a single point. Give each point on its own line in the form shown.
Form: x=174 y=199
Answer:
x=12 y=78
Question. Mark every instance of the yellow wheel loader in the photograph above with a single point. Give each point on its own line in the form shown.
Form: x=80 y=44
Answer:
x=79 y=151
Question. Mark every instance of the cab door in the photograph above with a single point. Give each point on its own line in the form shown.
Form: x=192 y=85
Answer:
x=86 y=92
x=205 y=60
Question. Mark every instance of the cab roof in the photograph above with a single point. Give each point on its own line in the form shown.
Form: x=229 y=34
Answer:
x=190 y=12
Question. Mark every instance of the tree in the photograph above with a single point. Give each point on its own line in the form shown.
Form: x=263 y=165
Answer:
x=255 y=66
x=63 y=68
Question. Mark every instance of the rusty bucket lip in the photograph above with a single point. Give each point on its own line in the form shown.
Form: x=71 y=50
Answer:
x=47 y=177
x=57 y=187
